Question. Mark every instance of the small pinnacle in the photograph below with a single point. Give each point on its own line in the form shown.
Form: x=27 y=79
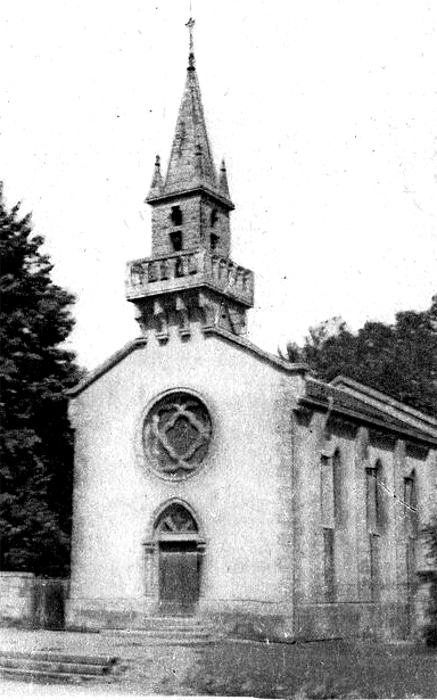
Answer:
x=156 y=185
x=223 y=179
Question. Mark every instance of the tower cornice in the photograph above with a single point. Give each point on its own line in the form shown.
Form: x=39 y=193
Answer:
x=164 y=198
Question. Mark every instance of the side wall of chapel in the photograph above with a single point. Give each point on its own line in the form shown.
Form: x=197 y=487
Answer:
x=354 y=577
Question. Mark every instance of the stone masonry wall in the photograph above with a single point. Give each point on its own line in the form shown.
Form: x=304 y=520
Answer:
x=384 y=601
x=196 y=226
x=16 y=598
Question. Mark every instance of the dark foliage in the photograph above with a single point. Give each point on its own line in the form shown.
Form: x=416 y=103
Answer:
x=398 y=359
x=430 y=577
x=36 y=439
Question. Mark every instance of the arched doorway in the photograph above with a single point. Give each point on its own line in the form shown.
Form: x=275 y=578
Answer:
x=179 y=557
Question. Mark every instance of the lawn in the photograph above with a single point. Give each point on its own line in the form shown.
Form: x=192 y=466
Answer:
x=316 y=670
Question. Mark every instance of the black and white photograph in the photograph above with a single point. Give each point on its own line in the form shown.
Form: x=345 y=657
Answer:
x=218 y=349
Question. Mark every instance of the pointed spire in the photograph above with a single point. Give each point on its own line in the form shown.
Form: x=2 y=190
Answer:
x=191 y=142
x=223 y=180
x=157 y=182
x=191 y=164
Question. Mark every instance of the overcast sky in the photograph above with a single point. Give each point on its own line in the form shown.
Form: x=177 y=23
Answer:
x=325 y=111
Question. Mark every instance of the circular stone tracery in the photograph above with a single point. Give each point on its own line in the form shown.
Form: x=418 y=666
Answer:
x=177 y=433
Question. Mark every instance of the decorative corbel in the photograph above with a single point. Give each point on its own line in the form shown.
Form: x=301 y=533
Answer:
x=208 y=312
x=183 y=318
x=161 y=321
x=140 y=318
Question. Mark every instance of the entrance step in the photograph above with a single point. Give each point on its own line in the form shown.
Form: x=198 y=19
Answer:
x=50 y=665
x=173 y=630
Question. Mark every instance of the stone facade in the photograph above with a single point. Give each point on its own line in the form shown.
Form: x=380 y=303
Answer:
x=214 y=479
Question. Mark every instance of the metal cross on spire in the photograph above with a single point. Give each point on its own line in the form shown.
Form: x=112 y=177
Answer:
x=190 y=24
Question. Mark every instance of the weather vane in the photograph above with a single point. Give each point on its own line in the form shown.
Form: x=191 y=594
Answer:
x=190 y=24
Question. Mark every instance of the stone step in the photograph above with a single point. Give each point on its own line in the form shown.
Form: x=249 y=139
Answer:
x=176 y=622
x=156 y=634
x=59 y=657
x=173 y=641
x=21 y=674
x=40 y=664
x=167 y=637
x=53 y=666
x=167 y=630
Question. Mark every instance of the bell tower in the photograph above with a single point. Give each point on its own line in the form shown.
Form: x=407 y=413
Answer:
x=190 y=276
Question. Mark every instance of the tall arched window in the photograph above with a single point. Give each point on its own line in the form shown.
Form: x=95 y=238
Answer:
x=330 y=506
x=374 y=513
x=338 y=489
x=410 y=525
x=410 y=504
x=331 y=490
x=374 y=517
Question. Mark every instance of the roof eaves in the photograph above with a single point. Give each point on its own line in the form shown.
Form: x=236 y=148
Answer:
x=108 y=364
x=289 y=367
x=394 y=425
x=344 y=383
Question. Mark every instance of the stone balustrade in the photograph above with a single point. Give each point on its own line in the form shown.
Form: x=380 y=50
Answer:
x=150 y=276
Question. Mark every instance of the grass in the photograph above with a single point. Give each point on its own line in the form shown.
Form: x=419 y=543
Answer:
x=316 y=670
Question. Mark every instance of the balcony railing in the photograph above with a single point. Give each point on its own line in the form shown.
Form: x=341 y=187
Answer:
x=151 y=276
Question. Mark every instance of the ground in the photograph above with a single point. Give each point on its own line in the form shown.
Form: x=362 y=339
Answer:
x=312 y=670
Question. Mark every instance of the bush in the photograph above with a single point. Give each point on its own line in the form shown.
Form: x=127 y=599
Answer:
x=430 y=630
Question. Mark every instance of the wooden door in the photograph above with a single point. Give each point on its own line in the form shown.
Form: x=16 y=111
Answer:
x=178 y=577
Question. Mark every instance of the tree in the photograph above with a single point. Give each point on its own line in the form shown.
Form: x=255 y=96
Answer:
x=36 y=442
x=430 y=577
x=398 y=359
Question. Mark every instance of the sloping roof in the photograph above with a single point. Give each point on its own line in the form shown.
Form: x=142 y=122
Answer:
x=359 y=402
x=191 y=157
x=106 y=366
x=191 y=164
x=378 y=397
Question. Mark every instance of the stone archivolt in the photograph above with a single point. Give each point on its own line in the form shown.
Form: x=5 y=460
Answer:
x=175 y=520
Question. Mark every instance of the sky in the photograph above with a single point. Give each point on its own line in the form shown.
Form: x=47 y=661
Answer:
x=325 y=111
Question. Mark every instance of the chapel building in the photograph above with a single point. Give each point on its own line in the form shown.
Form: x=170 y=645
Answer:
x=215 y=480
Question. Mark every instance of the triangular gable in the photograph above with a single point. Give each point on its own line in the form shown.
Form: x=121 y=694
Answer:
x=225 y=335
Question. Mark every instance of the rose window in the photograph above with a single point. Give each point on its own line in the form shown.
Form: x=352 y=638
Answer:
x=177 y=432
